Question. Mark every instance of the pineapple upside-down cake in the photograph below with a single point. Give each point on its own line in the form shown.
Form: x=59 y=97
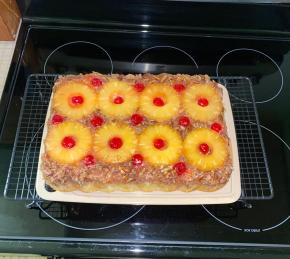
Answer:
x=136 y=133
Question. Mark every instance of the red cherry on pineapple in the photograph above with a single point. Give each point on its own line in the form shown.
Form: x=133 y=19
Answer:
x=159 y=143
x=97 y=121
x=204 y=148
x=136 y=119
x=68 y=142
x=137 y=159
x=77 y=99
x=139 y=87
x=96 y=82
x=118 y=100
x=89 y=160
x=216 y=127
x=158 y=101
x=179 y=87
x=56 y=119
x=180 y=168
x=184 y=121
x=203 y=102
x=115 y=143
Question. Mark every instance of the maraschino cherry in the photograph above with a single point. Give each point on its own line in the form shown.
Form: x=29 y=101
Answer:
x=184 y=121
x=180 y=168
x=68 y=142
x=159 y=143
x=139 y=87
x=179 y=87
x=118 y=100
x=89 y=160
x=137 y=159
x=157 y=101
x=115 y=143
x=77 y=100
x=56 y=119
x=136 y=119
x=97 y=121
x=203 y=102
x=204 y=148
x=96 y=82
x=216 y=127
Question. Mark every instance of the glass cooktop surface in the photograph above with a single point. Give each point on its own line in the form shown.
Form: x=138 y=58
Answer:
x=266 y=62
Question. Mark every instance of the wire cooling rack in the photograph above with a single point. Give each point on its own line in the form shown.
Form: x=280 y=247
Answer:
x=255 y=177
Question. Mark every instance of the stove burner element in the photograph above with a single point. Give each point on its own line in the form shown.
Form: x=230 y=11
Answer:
x=38 y=203
x=169 y=47
x=265 y=55
x=253 y=230
x=78 y=42
x=88 y=229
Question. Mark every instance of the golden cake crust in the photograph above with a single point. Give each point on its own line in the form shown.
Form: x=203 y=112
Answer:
x=124 y=175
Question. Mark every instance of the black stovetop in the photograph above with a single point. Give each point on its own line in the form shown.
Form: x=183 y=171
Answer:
x=245 y=222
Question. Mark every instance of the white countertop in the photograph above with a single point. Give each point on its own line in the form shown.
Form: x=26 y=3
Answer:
x=6 y=53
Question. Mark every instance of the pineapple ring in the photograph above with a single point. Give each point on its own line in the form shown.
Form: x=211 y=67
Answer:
x=166 y=110
x=204 y=92
x=63 y=100
x=162 y=156
x=105 y=134
x=127 y=99
x=218 y=147
x=82 y=142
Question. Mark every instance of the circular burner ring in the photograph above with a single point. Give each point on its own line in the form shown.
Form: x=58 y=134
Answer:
x=164 y=46
x=89 y=229
x=38 y=203
x=265 y=55
x=253 y=230
x=77 y=42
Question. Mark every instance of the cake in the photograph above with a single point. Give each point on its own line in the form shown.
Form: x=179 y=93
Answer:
x=136 y=133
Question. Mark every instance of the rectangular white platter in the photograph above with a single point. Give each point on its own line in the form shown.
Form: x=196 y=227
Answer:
x=231 y=192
